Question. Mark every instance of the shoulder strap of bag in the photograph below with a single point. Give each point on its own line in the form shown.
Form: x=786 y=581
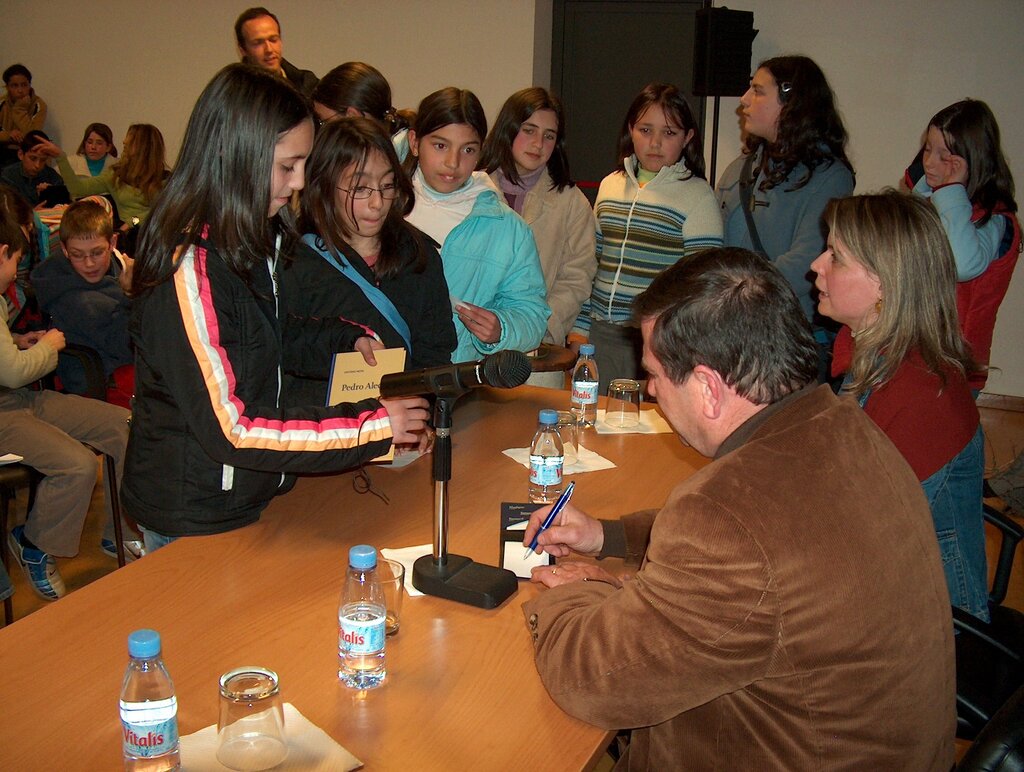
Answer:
x=380 y=301
x=747 y=179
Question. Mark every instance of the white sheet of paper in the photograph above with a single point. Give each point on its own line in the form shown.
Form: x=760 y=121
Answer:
x=309 y=747
x=513 y=559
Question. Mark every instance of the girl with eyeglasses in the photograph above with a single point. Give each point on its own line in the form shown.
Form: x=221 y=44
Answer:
x=358 y=247
x=212 y=440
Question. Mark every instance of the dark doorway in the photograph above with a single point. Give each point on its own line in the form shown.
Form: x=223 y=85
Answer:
x=602 y=53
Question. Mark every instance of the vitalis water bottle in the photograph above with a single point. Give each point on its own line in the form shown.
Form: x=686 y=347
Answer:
x=546 y=460
x=361 y=616
x=149 y=709
x=583 y=402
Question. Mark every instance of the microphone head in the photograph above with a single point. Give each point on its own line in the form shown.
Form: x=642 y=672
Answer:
x=506 y=369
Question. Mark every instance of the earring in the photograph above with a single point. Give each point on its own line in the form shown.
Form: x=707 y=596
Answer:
x=878 y=306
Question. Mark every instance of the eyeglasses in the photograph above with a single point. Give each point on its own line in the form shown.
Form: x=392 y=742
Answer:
x=388 y=191
x=80 y=257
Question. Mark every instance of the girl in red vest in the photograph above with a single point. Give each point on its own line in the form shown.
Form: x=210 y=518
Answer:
x=962 y=170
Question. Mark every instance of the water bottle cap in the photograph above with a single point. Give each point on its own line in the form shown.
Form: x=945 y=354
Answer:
x=144 y=643
x=362 y=556
x=587 y=349
x=549 y=417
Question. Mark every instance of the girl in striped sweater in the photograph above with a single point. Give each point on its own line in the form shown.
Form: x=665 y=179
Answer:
x=654 y=210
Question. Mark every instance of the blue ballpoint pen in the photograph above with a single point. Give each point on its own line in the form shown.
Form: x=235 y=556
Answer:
x=555 y=511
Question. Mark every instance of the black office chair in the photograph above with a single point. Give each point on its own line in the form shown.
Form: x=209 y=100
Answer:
x=990 y=656
x=13 y=477
x=999 y=747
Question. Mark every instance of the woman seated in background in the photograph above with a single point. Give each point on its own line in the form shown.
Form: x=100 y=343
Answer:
x=888 y=276
x=357 y=89
x=360 y=260
x=525 y=156
x=489 y=255
x=96 y=151
x=133 y=182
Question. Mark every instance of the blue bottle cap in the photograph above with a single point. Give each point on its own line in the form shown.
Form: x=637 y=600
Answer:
x=549 y=417
x=144 y=643
x=587 y=349
x=362 y=556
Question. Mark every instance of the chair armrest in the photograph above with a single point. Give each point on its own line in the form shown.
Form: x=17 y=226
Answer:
x=970 y=624
x=1012 y=533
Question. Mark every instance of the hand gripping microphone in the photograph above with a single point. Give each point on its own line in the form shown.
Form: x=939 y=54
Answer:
x=503 y=370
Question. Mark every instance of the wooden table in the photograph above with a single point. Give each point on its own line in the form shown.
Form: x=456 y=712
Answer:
x=462 y=690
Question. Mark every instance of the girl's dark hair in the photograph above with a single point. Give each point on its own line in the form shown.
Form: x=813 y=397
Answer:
x=16 y=69
x=443 y=108
x=676 y=108
x=810 y=131
x=339 y=145
x=497 y=152
x=222 y=179
x=15 y=214
x=105 y=133
x=360 y=85
x=16 y=206
x=971 y=131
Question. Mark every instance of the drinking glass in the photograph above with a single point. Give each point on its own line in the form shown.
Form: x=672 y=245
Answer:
x=250 y=728
x=568 y=430
x=391 y=575
x=623 y=410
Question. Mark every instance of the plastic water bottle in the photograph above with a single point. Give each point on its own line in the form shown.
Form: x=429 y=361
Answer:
x=546 y=460
x=149 y=709
x=583 y=402
x=361 y=616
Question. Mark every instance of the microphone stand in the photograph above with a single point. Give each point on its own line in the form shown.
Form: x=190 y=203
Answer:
x=455 y=577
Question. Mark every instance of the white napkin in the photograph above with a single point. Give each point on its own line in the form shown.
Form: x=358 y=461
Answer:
x=586 y=460
x=309 y=748
x=651 y=422
x=407 y=556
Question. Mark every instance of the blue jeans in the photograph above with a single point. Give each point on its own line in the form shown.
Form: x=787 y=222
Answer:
x=954 y=495
x=6 y=588
x=154 y=540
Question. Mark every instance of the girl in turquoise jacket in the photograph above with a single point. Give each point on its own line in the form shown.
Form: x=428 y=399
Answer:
x=489 y=255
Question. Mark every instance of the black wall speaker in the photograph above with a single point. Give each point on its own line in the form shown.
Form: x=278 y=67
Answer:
x=721 y=52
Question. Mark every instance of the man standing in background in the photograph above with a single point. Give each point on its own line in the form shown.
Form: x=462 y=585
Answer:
x=258 y=33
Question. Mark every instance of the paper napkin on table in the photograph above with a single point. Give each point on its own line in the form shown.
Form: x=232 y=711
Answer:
x=407 y=556
x=651 y=422
x=586 y=460
x=309 y=748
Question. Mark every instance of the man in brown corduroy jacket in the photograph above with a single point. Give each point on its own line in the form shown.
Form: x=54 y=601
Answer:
x=790 y=610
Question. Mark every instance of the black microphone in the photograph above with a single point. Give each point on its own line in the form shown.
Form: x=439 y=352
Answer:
x=503 y=370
